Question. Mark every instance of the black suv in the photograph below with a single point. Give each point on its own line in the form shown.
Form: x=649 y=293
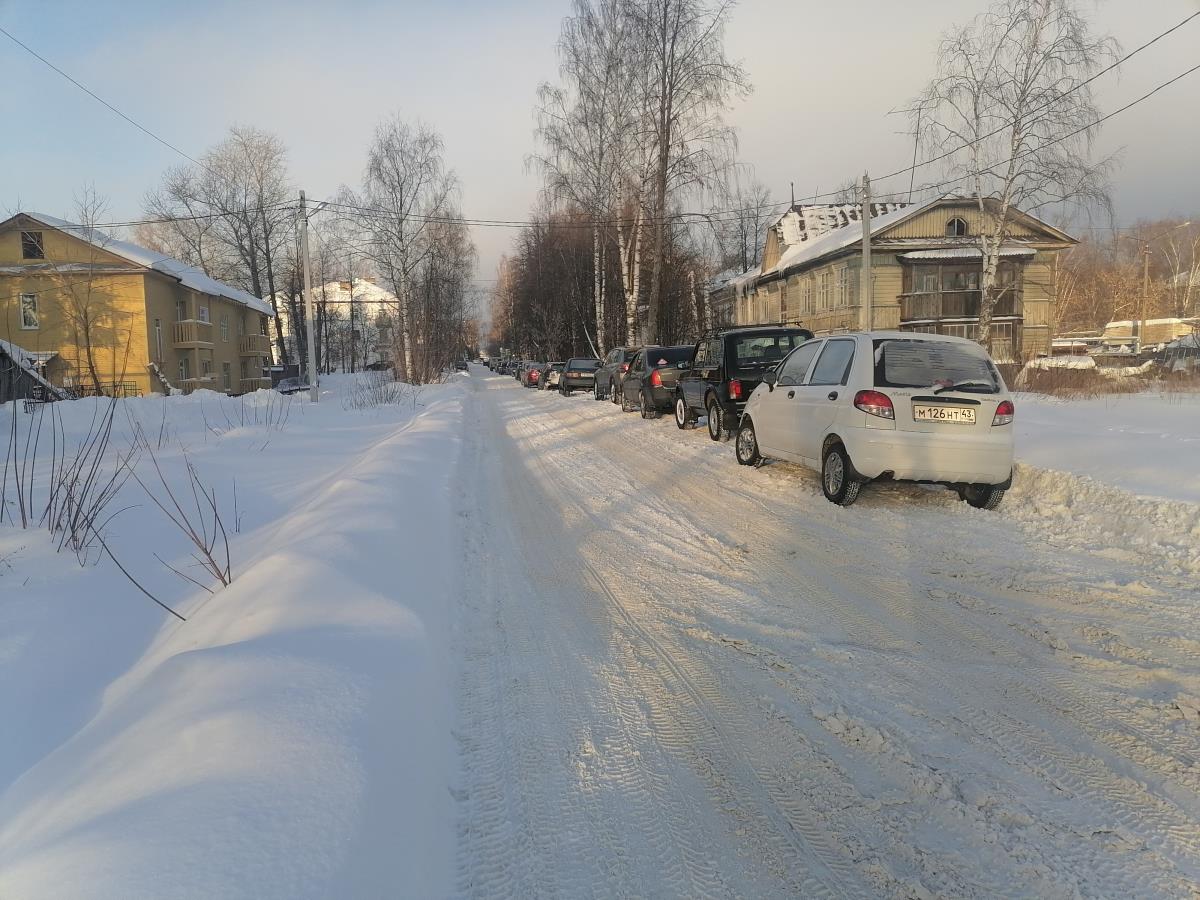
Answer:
x=725 y=367
x=612 y=372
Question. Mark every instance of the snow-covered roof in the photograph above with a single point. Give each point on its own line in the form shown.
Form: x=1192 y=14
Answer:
x=964 y=253
x=807 y=222
x=29 y=361
x=837 y=236
x=1127 y=323
x=189 y=276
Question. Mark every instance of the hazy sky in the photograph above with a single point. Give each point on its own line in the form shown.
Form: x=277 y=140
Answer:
x=321 y=74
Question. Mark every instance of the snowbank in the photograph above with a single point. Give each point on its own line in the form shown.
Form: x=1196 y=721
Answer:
x=1147 y=444
x=292 y=738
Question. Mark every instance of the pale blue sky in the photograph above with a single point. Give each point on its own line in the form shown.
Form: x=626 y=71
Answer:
x=321 y=74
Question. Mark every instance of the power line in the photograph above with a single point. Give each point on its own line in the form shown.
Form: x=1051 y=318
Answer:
x=1047 y=104
x=140 y=127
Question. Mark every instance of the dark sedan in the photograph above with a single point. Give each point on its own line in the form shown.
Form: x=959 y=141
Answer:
x=653 y=375
x=579 y=374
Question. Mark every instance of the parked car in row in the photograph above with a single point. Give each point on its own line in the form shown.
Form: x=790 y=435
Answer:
x=894 y=405
x=650 y=382
x=531 y=374
x=550 y=376
x=724 y=369
x=578 y=373
x=611 y=372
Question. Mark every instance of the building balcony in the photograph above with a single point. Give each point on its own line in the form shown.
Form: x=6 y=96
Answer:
x=253 y=384
x=255 y=345
x=191 y=334
x=955 y=305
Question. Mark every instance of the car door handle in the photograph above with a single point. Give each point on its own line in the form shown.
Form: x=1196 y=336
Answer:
x=791 y=394
x=833 y=395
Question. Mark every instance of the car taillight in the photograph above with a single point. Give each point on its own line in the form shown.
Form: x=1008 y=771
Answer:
x=735 y=390
x=624 y=367
x=874 y=403
x=1004 y=413
x=655 y=378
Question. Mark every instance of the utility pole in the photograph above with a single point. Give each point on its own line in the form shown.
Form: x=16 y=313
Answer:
x=308 y=301
x=1141 y=343
x=865 y=292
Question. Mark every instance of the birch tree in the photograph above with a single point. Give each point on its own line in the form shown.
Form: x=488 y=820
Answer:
x=689 y=82
x=1011 y=112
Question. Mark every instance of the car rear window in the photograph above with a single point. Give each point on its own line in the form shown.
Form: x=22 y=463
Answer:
x=901 y=362
x=583 y=365
x=765 y=349
x=629 y=354
x=658 y=357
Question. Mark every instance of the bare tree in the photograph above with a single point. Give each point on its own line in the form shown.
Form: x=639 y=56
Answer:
x=689 y=81
x=1012 y=113
x=230 y=216
x=408 y=191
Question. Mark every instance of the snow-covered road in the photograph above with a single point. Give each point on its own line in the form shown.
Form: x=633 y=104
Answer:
x=683 y=678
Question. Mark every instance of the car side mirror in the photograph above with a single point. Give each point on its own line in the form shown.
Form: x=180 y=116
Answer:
x=769 y=379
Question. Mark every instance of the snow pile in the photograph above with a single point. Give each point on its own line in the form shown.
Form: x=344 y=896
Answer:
x=1081 y=511
x=1145 y=444
x=292 y=738
x=1045 y=363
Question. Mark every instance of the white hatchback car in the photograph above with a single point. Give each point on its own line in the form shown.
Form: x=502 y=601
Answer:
x=886 y=404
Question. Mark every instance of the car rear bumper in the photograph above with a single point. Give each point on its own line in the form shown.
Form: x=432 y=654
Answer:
x=921 y=456
x=575 y=384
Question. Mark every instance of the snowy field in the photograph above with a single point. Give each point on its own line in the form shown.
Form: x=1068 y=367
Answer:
x=494 y=642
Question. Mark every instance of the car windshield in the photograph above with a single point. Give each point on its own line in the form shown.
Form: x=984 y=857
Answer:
x=584 y=365
x=659 y=357
x=946 y=365
x=765 y=349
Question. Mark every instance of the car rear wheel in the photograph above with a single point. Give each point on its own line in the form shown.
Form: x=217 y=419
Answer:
x=746 y=448
x=597 y=393
x=612 y=392
x=649 y=410
x=683 y=415
x=716 y=421
x=837 y=479
x=982 y=496
x=626 y=406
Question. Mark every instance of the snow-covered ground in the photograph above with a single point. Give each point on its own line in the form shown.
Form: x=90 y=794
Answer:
x=292 y=738
x=1147 y=443
x=502 y=643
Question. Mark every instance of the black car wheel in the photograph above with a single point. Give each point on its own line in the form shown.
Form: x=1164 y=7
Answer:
x=612 y=392
x=838 y=483
x=746 y=448
x=982 y=496
x=626 y=406
x=716 y=421
x=649 y=410
x=596 y=391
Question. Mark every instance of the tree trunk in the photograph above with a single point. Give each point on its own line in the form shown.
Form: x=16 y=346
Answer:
x=598 y=287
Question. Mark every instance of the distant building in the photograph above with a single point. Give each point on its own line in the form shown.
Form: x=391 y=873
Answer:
x=357 y=323
x=1158 y=331
x=926 y=265
x=101 y=315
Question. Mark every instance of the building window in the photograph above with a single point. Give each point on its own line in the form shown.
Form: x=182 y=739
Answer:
x=158 y=340
x=224 y=328
x=957 y=227
x=844 y=287
x=32 y=246
x=823 y=292
x=206 y=368
x=241 y=325
x=181 y=312
x=227 y=376
x=30 y=320
x=183 y=369
x=203 y=314
x=262 y=325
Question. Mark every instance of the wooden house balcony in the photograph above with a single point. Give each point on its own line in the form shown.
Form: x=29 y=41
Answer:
x=191 y=334
x=255 y=345
x=936 y=306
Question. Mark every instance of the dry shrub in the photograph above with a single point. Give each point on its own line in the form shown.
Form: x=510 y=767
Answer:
x=375 y=389
x=1079 y=384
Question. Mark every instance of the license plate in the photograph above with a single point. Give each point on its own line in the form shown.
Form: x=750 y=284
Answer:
x=582 y=375
x=955 y=415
